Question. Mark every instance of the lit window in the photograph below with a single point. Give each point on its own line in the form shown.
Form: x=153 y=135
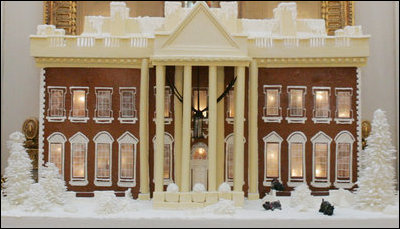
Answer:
x=56 y=150
x=321 y=160
x=296 y=109
x=56 y=111
x=103 y=141
x=168 y=150
x=229 y=163
x=79 y=144
x=344 y=148
x=79 y=112
x=231 y=105
x=200 y=99
x=272 y=111
x=127 y=160
x=322 y=111
x=127 y=113
x=321 y=163
x=297 y=141
x=104 y=111
x=272 y=157
x=343 y=161
x=167 y=105
x=344 y=113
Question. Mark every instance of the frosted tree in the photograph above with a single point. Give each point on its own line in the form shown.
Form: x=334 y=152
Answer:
x=53 y=184
x=376 y=184
x=37 y=199
x=18 y=174
x=301 y=198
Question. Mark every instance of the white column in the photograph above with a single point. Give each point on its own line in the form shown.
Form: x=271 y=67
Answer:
x=253 y=134
x=220 y=127
x=178 y=125
x=144 y=131
x=212 y=129
x=160 y=104
x=186 y=130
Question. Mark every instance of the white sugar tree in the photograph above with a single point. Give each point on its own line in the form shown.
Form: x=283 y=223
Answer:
x=53 y=184
x=376 y=184
x=37 y=199
x=18 y=174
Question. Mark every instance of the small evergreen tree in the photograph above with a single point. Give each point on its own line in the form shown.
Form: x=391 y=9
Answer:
x=18 y=174
x=376 y=184
x=37 y=199
x=53 y=184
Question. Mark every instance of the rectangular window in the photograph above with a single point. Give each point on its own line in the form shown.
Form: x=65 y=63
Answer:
x=231 y=104
x=272 y=100
x=296 y=103
x=272 y=160
x=167 y=161
x=103 y=160
x=56 y=151
x=343 y=161
x=127 y=113
x=167 y=105
x=57 y=103
x=344 y=104
x=200 y=99
x=103 y=103
x=127 y=160
x=78 y=160
x=321 y=160
x=79 y=103
x=321 y=104
x=296 y=160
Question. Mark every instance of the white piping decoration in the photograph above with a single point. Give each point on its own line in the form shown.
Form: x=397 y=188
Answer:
x=359 y=139
x=264 y=42
x=42 y=99
x=316 y=42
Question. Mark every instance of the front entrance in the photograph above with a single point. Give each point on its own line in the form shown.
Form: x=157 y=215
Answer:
x=199 y=164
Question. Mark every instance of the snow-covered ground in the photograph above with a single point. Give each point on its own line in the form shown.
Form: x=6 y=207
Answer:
x=82 y=212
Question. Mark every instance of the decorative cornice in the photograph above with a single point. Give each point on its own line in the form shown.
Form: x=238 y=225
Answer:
x=44 y=62
x=201 y=61
x=313 y=62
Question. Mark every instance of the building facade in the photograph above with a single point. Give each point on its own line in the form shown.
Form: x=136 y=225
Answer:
x=242 y=101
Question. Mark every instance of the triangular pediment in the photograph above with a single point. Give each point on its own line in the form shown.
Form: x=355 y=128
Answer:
x=200 y=30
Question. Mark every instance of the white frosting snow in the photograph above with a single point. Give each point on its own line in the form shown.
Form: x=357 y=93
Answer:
x=199 y=188
x=172 y=188
x=224 y=187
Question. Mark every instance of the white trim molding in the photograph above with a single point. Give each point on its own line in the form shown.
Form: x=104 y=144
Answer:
x=131 y=119
x=63 y=116
x=127 y=138
x=299 y=138
x=79 y=138
x=272 y=137
x=103 y=137
x=79 y=119
x=344 y=137
x=359 y=121
x=321 y=138
x=272 y=118
x=57 y=138
x=109 y=118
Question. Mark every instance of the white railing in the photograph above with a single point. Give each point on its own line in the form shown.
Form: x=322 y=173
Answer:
x=291 y=42
x=85 y=41
x=264 y=42
x=57 y=41
x=317 y=41
x=111 y=42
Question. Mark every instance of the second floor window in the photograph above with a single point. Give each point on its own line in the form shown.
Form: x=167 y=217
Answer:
x=272 y=111
x=104 y=113
x=79 y=111
x=344 y=113
x=56 y=111
x=296 y=111
x=127 y=113
x=167 y=105
x=200 y=99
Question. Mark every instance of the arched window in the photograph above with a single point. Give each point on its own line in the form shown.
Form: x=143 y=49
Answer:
x=297 y=172
x=103 y=141
x=229 y=155
x=344 y=150
x=321 y=160
x=57 y=150
x=127 y=160
x=79 y=144
x=168 y=159
x=272 y=157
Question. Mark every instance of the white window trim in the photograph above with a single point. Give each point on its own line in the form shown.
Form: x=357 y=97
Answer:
x=323 y=138
x=103 y=137
x=102 y=120
x=230 y=138
x=344 y=137
x=294 y=119
x=344 y=120
x=302 y=139
x=168 y=139
x=329 y=118
x=57 y=138
x=169 y=120
x=128 y=138
x=79 y=119
x=79 y=138
x=273 y=119
x=272 y=137
x=56 y=118
x=120 y=118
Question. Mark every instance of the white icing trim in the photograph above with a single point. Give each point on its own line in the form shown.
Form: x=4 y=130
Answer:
x=79 y=138
x=272 y=137
x=359 y=130
x=323 y=138
x=42 y=97
x=128 y=138
x=297 y=137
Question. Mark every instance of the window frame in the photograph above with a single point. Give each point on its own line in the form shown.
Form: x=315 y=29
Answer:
x=127 y=120
x=63 y=117
x=230 y=100
x=79 y=119
x=97 y=118
x=272 y=137
x=297 y=137
x=194 y=89
x=168 y=139
x=272 y=118
x=347 y=138
x=321 y=138
x=57 y=138
x=79 y=138
x=229 y=139
x=339 y=120
x=292 y=118
x=127 y=138
x=103 y=137
x=168 y=93
x=316 y=119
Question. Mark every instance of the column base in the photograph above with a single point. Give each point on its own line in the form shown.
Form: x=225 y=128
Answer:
x=185 y=197
x=238 y=198
x=144 y=196
x=211 y=198
x=253 y=196
x=158 y=197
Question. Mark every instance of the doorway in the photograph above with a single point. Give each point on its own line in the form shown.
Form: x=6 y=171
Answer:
x=199 y=164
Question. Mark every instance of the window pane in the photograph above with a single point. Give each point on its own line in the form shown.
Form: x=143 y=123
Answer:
x=56 y=103
x=321 y=104
x=78 y=160
x=231 y=104
x=79 y=103
x=103 y=160
x=296 y=102
x=343 y=161
x=344 y=104
x=167 y=161
x=104 y=104
x=272 y=102
x=56 y=152
x=272 y=160
x=127 y=161
x=296 y=160
x=230 y=162
x=167 y=103
x=128 y=104
x=203 y=99
x=321 y=160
